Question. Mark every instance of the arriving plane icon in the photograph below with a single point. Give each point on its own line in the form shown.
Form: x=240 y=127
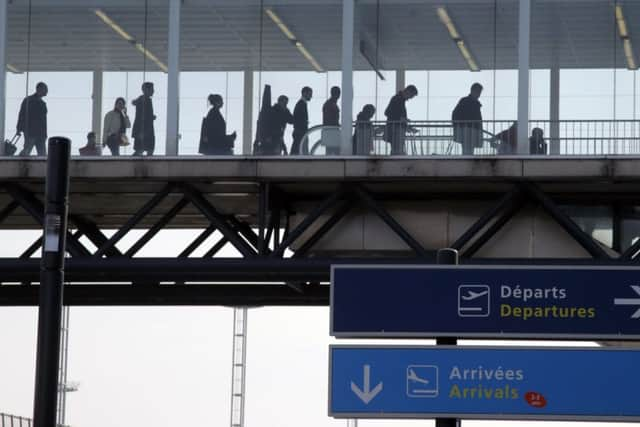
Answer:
x=422 y=381
x=413 y=377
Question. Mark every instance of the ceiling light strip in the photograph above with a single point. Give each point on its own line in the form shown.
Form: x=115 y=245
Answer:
x=446 y=20
x=141 y=48
x=626 y=38
x=294 y=40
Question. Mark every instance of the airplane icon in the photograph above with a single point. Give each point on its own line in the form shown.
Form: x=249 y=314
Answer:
x=473 y=300
x=473 y=295
x=413 y=377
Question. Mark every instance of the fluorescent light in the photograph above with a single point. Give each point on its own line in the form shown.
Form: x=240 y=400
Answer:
x=118 y=29
x=446 y=20
x=628 y=53
x=622 y=24
x=293 y=39
x=13 y=69
x=626 y=38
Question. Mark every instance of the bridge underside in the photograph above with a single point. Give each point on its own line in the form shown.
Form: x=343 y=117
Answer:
x=289 y=220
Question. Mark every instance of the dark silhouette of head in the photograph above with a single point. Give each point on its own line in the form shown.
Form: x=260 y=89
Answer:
x=215 y=100
x=335 y=92
x=368 y=111
x=42 y=90
x=283 y=101
x=410 y=92
x=119 y=104
x=91 y=138
x=476 y=90
x=147 y=89
x=307 y=93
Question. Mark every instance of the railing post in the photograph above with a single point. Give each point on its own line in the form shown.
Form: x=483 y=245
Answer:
x=524 y=39
x=554 y=108
x=348 y=24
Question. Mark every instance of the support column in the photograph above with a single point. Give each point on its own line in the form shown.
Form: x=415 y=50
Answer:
x=401 y=80
x=348 y=25
x=524 y=39
x=96 y=105
x=3 y=65
x=554 y=108
x=247 y=113
x=173 y=79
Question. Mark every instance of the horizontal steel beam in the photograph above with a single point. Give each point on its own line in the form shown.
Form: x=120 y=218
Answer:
x=174 y=295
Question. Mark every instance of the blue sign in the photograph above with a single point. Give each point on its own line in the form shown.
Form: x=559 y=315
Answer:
x=487 y=302
x=484 y=382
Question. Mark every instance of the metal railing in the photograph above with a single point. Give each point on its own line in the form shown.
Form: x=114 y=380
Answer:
x=497 y=137
x=7 y=420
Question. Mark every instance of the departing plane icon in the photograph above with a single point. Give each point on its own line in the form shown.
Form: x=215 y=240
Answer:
x=473 y=295
x=413 y=377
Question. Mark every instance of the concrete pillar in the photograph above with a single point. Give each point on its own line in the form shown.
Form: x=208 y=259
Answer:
x=96 y=105
x=173 y=79
x=3 y=66
x=348 y=28
x=524 y=39
x=247 y=113
x=554 y=109
x=401 y=80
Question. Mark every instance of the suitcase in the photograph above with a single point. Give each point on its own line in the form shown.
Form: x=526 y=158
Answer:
x=10 y=145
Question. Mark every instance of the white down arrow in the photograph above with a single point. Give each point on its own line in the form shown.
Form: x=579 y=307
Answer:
x=366 y=394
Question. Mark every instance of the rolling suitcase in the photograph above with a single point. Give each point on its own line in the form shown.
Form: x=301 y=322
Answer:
x=10 y=145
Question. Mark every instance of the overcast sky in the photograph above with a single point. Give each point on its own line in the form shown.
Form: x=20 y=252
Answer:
x=172 y=366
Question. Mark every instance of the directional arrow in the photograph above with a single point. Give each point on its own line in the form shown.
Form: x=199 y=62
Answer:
x=630 y=301
x=366 y=395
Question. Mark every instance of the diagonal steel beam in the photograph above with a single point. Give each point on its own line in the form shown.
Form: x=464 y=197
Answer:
x=514 y=206
x=216 y=248
x=35 y=208
x=370 y=203
x=291 y=236
x=134 y=220
x=155 y=229
x=245 y=230
x=504 y=203
x=631 y=252
x=32 y=249
x=217 y=219
x=93 y=233
x=197 y=241
x=8 y=210
x=340 y=213
x=263 y=203
x=582 y=238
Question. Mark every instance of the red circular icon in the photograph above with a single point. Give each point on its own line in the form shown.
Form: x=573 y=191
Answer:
x=535 y=399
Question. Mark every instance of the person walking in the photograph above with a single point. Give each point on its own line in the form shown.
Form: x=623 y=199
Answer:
x=116 y=123
x=279 y=117
x=144 y=138
x=331 y=117
x=301 y=122
x=364 y=131
x=467 y=121
x=32 y=121
x=213 y=135
x=397 y=121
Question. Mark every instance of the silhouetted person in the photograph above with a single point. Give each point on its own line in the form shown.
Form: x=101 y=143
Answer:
x=116 y=123
x=364 y=132
x=331 y=117
x=92 y=148
x=213 y=135
x=508 y=140
x=537 y=145
x=467 y=121
x=301 y=121
x=32 y=121
x=144 y=138
x=397 y=121
x=279 y=117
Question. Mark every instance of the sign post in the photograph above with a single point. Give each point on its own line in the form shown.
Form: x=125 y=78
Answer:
x=51 y=283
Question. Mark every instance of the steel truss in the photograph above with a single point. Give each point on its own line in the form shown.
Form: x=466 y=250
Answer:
x=265 y=274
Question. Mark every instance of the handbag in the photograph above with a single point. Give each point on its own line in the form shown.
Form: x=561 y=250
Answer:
x=124 y=141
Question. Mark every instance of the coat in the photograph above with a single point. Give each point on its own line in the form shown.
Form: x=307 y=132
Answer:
x=143 y=123
x=112 y=124
x=331 y=113
x=467 y=115
x=300 y=118
x=213 y=135
x=396 y=114
x=32 y=118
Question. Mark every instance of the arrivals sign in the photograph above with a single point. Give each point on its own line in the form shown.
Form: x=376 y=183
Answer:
x=484 y=382
x=488 y=302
